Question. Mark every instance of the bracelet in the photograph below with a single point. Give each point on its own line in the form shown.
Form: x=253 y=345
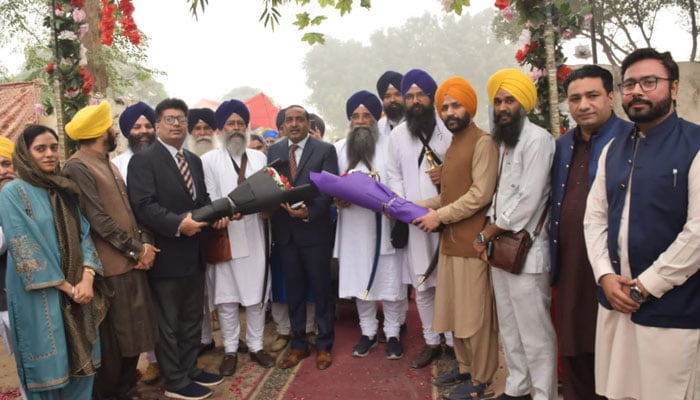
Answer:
x=90 y=271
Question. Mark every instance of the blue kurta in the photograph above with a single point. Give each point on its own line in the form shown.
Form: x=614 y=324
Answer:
x=33 y=271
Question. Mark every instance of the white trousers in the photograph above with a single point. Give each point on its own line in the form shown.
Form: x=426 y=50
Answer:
x=367 y=311
x=425 y=301
x=529 y=341
x=280 y=314
x=230 y=326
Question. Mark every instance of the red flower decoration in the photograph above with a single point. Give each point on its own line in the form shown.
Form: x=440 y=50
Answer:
x=502 y=4
x=562 y=130
x=107 y=23
x=77 y=3
x=130 y=30
x=270 y=172
x=563 y=72
x=520 y=56
x=49 y=68
x=88 y=81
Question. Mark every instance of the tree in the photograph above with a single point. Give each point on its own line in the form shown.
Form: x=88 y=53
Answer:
x=443 y=47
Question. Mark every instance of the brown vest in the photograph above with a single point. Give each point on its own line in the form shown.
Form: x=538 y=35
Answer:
x=455 y=181
x=115 y=201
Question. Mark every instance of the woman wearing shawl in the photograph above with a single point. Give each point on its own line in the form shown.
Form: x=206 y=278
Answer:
x=54 y=309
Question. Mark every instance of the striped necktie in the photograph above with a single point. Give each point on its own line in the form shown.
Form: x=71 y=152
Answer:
x=185 y=171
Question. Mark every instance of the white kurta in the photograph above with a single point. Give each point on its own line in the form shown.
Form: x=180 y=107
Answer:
x=409 y=180
x=241 y=279
x=636 y=361
x=355 y=242
x=122 y=162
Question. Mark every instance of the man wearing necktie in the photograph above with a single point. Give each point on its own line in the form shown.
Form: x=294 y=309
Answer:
x=165 y=182
x=304 y=236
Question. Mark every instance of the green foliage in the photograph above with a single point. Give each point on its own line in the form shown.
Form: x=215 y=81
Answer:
x=443 y=47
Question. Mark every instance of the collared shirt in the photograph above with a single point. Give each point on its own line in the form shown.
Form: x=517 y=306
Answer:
x=523 y=190
x=300 y=147
x=173 y=152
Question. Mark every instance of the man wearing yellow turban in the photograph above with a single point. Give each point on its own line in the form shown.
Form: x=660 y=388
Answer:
x=130 y=325
x=7 y=173
x=464 y=296
x=520 y=203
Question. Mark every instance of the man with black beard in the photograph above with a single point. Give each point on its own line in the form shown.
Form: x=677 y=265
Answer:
x=137 y=125
x=201 y=123
x=130 y=325
x=416 y=147
x=389 y=90
x=464 y=296
x=520 y=202
x=365 y=150
x=641 y=230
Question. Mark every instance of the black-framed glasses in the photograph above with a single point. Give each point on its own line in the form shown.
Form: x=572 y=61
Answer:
x=648 y=83
x=170 y=119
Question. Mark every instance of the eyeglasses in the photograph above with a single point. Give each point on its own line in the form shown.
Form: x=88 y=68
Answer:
x=648 y=83
x=170 y=119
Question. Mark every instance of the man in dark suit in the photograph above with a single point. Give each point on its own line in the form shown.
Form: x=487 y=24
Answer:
x=304 y=237
x=165 y=182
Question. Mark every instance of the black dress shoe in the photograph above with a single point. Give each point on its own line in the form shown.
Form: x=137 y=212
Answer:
x=451 y=378
x=263 y=359
x=206 y=347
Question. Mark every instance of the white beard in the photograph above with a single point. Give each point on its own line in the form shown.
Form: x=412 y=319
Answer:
x=236 y=144
x=200 y=146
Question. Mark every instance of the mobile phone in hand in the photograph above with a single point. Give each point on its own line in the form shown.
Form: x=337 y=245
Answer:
x=297 y=204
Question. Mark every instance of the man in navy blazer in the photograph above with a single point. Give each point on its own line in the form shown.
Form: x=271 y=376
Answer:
x=162 y=200
x=304 y=237
x=590 y=97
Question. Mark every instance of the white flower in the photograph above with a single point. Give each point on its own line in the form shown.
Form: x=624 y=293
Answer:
x=524 y=38
x=67 y=35
x=83 y=56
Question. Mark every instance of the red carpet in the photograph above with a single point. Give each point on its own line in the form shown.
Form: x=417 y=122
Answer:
x=372 y=377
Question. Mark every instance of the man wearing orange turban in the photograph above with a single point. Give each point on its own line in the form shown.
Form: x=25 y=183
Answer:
x=520 y=203
x=464 y=297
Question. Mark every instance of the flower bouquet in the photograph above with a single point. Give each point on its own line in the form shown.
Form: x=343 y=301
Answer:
x=360 y=189
x=263 y=191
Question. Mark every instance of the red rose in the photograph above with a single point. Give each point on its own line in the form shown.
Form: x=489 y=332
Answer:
x=520 y=56
x=287 y=186
x=270 y=172
x=562 y=130
x=502 y=4
x=77 y=3
x=563 y=72
x=49 y=68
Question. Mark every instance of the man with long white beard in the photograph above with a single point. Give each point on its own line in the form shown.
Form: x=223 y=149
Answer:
x=201 y=124
x=238 y=281
x=136 y=123
x=365 y=150
x=415 y=148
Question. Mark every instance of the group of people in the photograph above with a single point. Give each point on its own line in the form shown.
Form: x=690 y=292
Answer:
x=105 y=261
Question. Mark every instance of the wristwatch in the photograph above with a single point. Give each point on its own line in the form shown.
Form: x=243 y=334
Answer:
x=480 y=238
x=636 y=294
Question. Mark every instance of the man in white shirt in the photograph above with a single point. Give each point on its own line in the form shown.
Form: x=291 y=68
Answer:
x=417 y=146
x=137 y=124
x=361 y=231
x=523 y=300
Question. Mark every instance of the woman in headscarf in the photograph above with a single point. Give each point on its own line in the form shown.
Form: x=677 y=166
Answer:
x=54 y=299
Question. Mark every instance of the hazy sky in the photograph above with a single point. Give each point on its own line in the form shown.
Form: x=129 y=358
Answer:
x=227 y=47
